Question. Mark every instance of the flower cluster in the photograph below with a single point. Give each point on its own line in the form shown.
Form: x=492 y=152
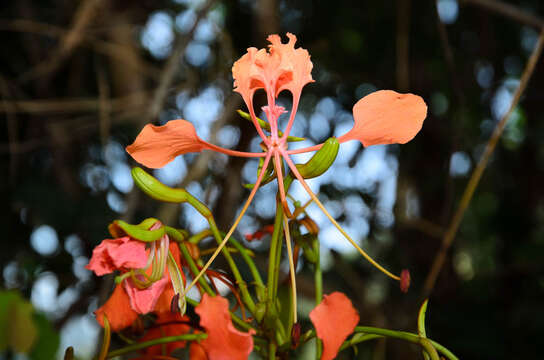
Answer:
x=151 y=271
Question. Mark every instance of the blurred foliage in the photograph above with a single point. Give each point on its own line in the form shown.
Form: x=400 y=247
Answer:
x=78 y=82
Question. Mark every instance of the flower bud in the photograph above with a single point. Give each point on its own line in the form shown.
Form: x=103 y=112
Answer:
x=155 y=189
x=321 y=161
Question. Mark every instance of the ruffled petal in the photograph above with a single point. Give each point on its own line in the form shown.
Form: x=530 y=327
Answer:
x=224 y=341
x=296 y=60
x=115 y=254
x=156 y=146
x=143 y=301
x=334 y=319
x=117 y=309
x=387 y=117
x=281 y=68
x=167 y=324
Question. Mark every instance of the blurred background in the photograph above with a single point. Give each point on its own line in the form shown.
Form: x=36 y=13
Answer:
x=79 y=79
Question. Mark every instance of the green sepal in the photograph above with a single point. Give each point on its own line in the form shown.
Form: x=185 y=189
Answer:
x=136 y=232
x=266 y=126
x=421 y=324
x=321 y=161
x=155 y=189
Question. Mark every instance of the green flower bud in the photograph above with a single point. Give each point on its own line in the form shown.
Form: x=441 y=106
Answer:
x=155 y=189
x=321 y=161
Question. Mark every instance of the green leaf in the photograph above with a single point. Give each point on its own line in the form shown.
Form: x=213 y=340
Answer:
x=48 y=340
x=7 y=298
x=23 y=332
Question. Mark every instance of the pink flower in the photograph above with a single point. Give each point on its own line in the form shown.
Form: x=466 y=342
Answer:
x=144 y=279
x=116 y=254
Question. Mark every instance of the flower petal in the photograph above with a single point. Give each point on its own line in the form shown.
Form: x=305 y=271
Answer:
x=167 y=324
x=143 y=301
x=387 y=117
x=115 y=254
x=334 y=319
x=224 y=341
x=297 y=60
x=196 y=351
x=117 y=309
x=283 y=68
x=156 y=146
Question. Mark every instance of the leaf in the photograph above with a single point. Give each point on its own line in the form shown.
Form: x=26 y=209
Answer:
x=7 y=298
x=22 y=331
x=48 y=340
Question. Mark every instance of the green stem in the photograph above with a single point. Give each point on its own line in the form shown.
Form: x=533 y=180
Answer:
x=246 y=297
x=204 y=211
x=194 y=268
x=249 y=261
x=163 y=340
x=271 y=350
x=275 y=248
x=429 y=348
x=403 y=335
x=378 y=332
x=359 y=338
x=318 y=280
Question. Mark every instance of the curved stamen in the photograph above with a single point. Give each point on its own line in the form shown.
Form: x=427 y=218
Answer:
x=332 y=220
x=233 y=152
x=234 y=226
x=291 y=267
x=304 y=150
x=256 y=123
x=279 y=174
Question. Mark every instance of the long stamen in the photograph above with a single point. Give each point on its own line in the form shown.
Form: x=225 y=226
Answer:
x=233 y=227
x=304 y=150
x=332 y=220
x=279 y=174
x=234 y=152
x=291 y=118
x=292 y=269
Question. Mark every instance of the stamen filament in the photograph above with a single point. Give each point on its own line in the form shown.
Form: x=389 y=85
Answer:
x=304 y=150
x=279 y=174
x=233 y=227
x=233 y=152
x=292 y=269
x=333 y=221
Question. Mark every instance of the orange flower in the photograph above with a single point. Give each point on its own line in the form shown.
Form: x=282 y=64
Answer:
x=384 y=117
x=334 y=319
x=224 y=341
x=167 y=324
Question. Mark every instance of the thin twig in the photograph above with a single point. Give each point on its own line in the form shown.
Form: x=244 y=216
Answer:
x=110 y=49
x=508 y=10
x=477 y=174
x=83 y=17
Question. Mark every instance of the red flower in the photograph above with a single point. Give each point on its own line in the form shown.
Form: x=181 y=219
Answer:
x=334 y=319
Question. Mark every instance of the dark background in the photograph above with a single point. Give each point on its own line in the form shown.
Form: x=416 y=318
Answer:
x=79 y=79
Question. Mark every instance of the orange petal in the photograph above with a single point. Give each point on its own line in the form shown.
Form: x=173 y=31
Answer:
x=283 y=68
x=117 y=309
x=334 y=319
x=167 y=324
x=224 y=341
x=298 y=60
x=156 y=146
x=196 y=351
x=387 y=117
